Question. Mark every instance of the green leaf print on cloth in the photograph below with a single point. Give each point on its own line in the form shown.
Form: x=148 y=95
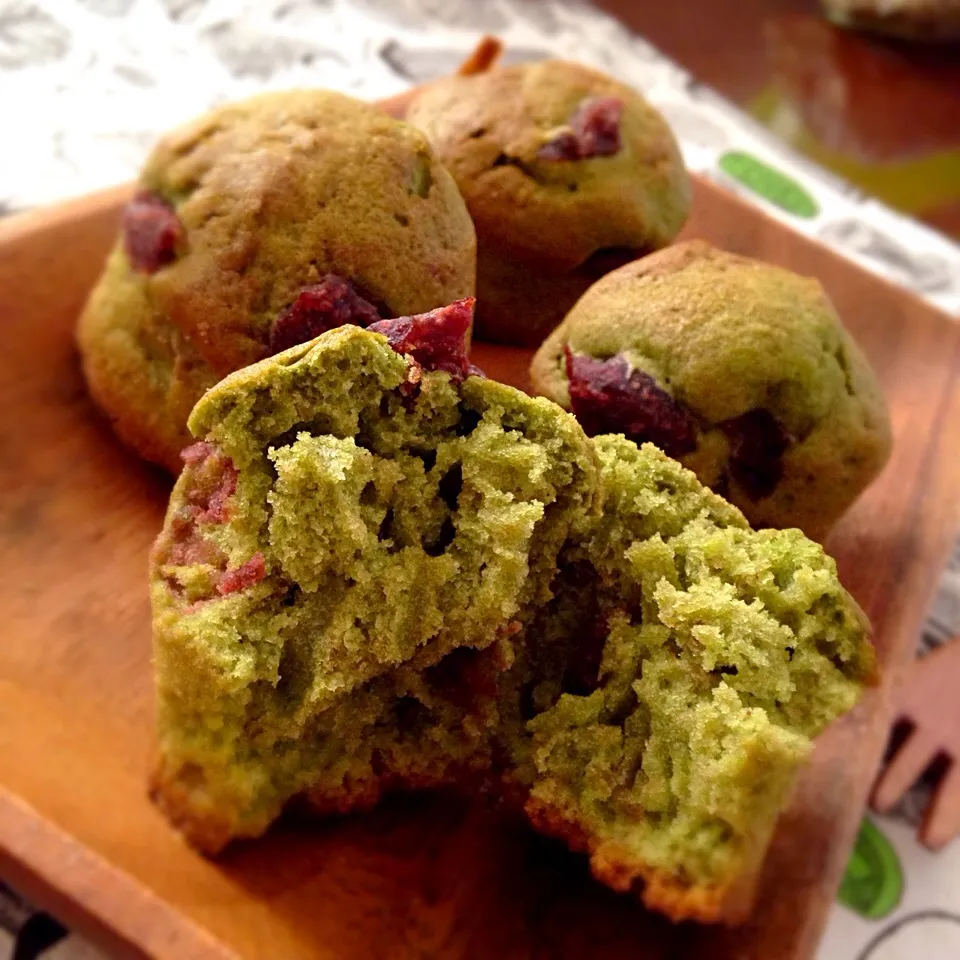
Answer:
x=873 y=883
x=769 y=183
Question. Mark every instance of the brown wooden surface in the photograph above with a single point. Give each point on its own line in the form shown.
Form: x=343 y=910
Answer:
x=422 y=876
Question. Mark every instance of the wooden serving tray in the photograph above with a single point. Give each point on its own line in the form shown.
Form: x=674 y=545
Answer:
x=421 y=876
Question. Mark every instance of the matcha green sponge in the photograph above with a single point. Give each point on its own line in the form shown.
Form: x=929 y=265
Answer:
x=339 y=530
x=670 y=691
x=379 y=571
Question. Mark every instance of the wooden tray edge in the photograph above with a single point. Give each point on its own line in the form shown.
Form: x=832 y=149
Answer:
x=83 y=890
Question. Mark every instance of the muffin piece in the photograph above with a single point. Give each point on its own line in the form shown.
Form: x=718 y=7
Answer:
x=260 y=225
x=378 y=571
x=355 y=525
x=665 y=699
x=739 y=369
x=566 y=172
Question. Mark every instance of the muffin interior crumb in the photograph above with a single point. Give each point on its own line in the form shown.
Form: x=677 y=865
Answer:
x=359 y=588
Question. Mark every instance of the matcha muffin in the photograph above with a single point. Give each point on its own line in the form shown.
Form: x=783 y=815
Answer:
x=380 y=571
x=566 y=172
x=258 y=226
x=350 y=516
x=661 y=704
x=739 y=369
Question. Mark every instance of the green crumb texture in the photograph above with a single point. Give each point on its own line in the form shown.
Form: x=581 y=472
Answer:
x=721 y=651
x=357 y=590
x=393 y=534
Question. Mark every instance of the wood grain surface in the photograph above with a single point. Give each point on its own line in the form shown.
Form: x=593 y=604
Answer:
x=422 y=876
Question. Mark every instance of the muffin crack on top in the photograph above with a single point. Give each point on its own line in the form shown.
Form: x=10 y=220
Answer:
x=360 y=589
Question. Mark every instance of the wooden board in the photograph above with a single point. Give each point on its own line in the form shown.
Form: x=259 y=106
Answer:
x=422 y=876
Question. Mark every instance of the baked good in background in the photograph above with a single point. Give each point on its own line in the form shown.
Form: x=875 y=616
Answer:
x=566 y=172
x=379 y=571
x=739 y=369
x=924 y=20
x=259 y=225
x=860 y=100
x=883 y=115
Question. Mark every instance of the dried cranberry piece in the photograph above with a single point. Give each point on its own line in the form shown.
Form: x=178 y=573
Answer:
x=197 y=452
x=596 y=123
x=184 y=546
x=323 y=306
x=248 y=574
x=214 y=482
x=608 y=397
x=216 y=511
x=564 y=146
x=152 y=231
x=437 y=340
x=758 y=442
x=594 y=131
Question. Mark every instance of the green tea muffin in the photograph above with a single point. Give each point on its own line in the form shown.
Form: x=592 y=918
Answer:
x=258 y=226
x=665 y=698
x=378 y=571
x=739 y=369
x=566 y=172
x=350 y=516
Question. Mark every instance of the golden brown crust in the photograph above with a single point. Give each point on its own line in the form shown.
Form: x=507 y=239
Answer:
x=489 y=128
x=278 y=190
x=140 y=370
x=175 y=799
x=662 y=263
x=540 y=221
x=729 y=902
